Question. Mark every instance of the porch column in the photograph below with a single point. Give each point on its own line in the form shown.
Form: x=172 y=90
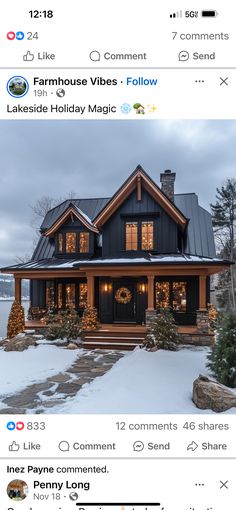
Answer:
x=202 y=313
x=90 y=282
x=151 y=293
x=18 y=290
x=202 y=293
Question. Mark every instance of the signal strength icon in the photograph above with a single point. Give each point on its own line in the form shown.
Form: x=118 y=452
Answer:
x=177 y=14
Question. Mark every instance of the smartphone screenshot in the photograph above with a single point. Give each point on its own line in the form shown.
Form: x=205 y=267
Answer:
x=117 y=255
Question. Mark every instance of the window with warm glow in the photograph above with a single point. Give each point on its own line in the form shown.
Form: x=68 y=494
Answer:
x=60 y=243
x=179 y=296
x=162 y=294
x=147 y=235
x=50 y=294
x=84 y=242
x=70 y=295
x=59 y=295
x=131 y=236
x=70 y=242
x=83 y=291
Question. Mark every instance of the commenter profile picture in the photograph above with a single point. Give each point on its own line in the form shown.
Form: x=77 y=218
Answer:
x=17 y=490
x=17 y=86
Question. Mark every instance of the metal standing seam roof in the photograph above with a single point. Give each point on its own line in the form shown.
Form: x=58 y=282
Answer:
x=199 y=235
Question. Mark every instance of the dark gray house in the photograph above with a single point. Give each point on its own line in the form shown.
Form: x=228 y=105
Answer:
x=143 y=249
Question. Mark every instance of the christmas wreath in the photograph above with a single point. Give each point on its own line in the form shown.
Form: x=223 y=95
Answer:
x=123 y=295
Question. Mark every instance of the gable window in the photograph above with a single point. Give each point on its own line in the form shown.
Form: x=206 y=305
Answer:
x=147 y=235
x=84 y=242
x=70 y=242
x=131 y=236
x=60 y=244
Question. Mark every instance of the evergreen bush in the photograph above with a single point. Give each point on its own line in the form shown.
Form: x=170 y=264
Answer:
x=162 y=332
x=222 y=358
x=16 y=320
x=64 y=324
x=89 y=319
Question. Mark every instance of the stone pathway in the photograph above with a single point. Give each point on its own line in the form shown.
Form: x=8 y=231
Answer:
x=53 y=391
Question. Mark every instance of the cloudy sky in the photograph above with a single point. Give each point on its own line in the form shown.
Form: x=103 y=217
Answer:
x=92 y=158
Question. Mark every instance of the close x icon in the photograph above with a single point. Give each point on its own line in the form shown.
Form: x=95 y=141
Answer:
x=224 y=485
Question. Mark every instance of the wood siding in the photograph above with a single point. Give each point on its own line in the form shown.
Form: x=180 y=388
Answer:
x=113 y=232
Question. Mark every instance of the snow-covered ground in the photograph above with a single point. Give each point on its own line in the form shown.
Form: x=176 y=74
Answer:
x=140 y=382
x=144 y=382
x=20 y=369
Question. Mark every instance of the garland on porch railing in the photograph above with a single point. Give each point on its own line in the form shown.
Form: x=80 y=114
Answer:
x=123 y=295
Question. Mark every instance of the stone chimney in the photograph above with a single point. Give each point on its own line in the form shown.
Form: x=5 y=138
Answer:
x=167 y=183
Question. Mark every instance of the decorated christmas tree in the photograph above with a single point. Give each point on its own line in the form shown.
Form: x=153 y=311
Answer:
x=222 y=359
x=162 y=332
x=16 y=320
x=89 y=319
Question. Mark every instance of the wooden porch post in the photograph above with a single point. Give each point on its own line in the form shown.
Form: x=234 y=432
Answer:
x=151 y=292
x=90 y=282
x=202 y=293
x=18 y=290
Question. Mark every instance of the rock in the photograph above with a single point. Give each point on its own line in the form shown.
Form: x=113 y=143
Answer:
x=209 y=394
x=19 y=344
x=29 y=332
x=71 y=346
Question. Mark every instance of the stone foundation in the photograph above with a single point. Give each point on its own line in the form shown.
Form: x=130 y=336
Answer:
x=150 y=315
x=196 y=339
x=202 y=321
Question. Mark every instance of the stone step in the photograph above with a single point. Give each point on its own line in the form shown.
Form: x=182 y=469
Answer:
x=111 y=346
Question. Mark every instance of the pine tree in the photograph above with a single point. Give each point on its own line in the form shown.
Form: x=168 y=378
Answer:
x=222 y=359
x=89 y=319
x=16 y=320
x=162 y=332
x=224 y=223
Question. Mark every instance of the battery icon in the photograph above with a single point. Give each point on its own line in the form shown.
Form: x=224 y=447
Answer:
x=209 y=14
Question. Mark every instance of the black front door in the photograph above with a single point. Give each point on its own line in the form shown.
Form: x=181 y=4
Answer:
x=125 y=296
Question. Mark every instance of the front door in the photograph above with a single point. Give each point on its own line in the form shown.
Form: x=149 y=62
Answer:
x=125 y=295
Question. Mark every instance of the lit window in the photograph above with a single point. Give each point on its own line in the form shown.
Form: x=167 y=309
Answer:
x=162 y=294
x=60 y=243
x=147 y=235
x=84 y=242
x=179 y=296
x=131 y=236
x=50 y=294
x=70 y=242
x=83 y=291
x=59 y=296
x=70 y=295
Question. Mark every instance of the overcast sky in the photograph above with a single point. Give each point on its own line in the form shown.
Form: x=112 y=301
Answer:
x=93 y=158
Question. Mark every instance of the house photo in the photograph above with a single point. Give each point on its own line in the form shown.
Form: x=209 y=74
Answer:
x=140 y=250
x=112 y=219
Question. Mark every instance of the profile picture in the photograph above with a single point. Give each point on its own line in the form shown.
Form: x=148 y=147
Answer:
x=17 y=86
x=17 y=490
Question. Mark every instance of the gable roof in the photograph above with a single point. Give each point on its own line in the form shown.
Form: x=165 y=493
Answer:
x=128 y=186
x=72 y=209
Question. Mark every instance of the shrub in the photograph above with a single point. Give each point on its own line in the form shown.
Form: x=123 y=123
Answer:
x=162 y=333
x=16 y=320
x=222 y=358
x=64 y=324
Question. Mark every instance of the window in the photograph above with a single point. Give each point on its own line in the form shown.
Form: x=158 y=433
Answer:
x=60 y=243
x=147 y=235
x=173 y=294
x=70 y=295
x=179 y=296
x=50 y=294
x=131 y=236
x=70 y=242
x=59 y=296
x=84 y=242
x=162 y=294
x=83 y=291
